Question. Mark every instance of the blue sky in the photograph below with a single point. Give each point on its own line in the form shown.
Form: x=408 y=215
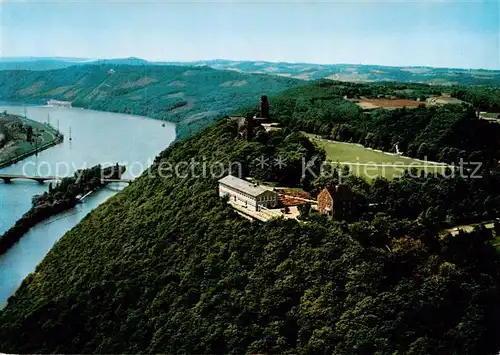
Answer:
x=462 y=34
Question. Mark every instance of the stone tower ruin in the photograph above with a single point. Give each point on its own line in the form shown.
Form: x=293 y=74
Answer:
x=264 y=107
x=249 y=126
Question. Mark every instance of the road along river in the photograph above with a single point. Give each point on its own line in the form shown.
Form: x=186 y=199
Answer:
x=96 y=138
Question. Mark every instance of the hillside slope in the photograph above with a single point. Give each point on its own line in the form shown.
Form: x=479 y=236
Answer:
x=363 y=73
x=303 y=71
x=189 y=95
x=38 y=63
x=167 y=267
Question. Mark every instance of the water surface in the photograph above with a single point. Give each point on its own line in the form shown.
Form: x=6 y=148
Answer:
x=96 y=138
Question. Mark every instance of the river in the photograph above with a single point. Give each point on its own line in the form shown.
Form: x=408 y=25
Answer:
x=96 y=138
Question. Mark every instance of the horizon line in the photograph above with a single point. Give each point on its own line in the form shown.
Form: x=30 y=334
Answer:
x=93 y=59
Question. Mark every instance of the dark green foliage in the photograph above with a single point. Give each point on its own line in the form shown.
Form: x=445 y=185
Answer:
x=481 y=97
x=29 y=134
x=166 y=266
x=304 y=210
x=5 y=135
x=11 y=127
x=449 y=199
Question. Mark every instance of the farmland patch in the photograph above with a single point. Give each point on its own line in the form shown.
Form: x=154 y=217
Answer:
x=370 y=104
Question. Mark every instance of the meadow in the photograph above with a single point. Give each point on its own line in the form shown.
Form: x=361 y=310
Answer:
x=371 y=163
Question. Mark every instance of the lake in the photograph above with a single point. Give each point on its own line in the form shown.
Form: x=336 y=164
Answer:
x=96 y=138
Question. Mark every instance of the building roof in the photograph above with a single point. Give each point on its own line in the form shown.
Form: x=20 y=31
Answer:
x=243 y=185
x=339 y=190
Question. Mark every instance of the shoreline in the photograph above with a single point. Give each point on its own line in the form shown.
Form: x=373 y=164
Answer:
x=57 y=138
x=34 y=244
x=46 y=206
x=29 y=220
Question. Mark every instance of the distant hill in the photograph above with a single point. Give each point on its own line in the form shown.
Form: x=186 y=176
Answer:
x=125 y=61
x=38 y=63
x=363 y=73
x=34 y=59
x=304 y=71
x=50 y=63
x=191 y=95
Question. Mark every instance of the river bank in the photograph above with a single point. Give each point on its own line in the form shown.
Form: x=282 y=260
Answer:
x=63 y=196
x=20 y=148
x=97 y=138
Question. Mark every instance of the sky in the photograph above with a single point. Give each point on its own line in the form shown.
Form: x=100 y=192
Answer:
x=460 y=34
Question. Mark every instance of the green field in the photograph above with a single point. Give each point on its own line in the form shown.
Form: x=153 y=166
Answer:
x=490 y=114
x=371 y=163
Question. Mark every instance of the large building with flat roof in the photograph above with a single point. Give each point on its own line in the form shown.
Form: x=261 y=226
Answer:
x=245 y=193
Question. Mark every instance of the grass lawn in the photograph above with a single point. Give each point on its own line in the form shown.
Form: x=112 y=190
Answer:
x=371 y=163
x=489 y=114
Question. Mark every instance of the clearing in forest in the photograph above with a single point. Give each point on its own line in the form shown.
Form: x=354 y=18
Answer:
x=370 y=104
x=371 y=163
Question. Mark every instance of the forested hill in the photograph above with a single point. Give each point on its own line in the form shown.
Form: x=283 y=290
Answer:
x=166 y=266
x=191 y=95
x=303 y=71
x=363 y=73
x=445 y=133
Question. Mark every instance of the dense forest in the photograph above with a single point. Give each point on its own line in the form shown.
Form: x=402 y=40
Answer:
x=167 y=266
x=485 y=98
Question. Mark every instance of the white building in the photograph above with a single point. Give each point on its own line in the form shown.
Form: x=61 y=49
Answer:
x=245 y=193
x=56 y=103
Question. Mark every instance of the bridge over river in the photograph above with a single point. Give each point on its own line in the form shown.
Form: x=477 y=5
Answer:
x=7 y=178
x=97 y=138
